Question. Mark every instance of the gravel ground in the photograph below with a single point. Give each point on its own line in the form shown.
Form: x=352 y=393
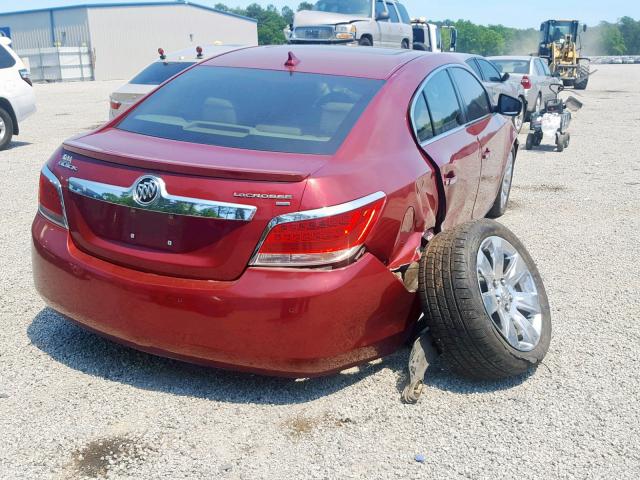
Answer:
x=73 y=405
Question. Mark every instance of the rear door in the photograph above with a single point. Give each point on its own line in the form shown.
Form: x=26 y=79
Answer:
x=440 y=126
x=543 y=76
x=492 y=133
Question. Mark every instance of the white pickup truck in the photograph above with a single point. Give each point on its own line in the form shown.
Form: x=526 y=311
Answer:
x=371 y=23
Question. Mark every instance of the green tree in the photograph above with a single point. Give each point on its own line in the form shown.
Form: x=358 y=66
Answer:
x=305 y=6
x=287 y=14
x=613 y=41
x=630 y=32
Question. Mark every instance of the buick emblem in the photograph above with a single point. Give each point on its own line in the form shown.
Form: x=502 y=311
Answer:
x=146 y=190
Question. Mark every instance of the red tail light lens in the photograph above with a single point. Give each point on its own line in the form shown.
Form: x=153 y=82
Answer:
x=320 y=237
x=114 y=104
x=526 y=82
x=50 y=203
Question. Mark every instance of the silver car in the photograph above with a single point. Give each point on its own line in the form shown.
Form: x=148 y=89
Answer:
x=497 y=83
x=165 y=67
x=535 y=77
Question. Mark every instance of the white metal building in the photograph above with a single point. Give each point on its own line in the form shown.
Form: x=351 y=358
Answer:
x=115 y=40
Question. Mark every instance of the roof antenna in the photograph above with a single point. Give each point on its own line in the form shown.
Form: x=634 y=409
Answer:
x=292 y=61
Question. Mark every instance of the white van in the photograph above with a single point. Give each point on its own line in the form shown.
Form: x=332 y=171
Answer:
x=17 y=100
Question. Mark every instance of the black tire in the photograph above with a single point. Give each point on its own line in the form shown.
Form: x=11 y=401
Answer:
x=537 y=139
x=451 y=297
x=531 y=138
x=365 y=42
x=6 y=133
x=522 y=116
x=560 y=142
x=583 y=78
x=405 y=44
x=419 y=46
x=500 y=203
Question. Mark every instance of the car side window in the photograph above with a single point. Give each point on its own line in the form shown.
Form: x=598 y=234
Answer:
x=489 y=72
x=404 y=15
x=6 y=60
x=545 y=68
x=474 y=66
x=443 y=103
x=380 y=9
x=474 y=96
x=393 y=15
x=538 y=68
x=422 y=119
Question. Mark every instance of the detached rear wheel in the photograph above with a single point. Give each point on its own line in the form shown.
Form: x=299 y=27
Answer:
x=484 y=301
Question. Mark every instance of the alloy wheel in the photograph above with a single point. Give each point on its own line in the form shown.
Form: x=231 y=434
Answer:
x=509 y=293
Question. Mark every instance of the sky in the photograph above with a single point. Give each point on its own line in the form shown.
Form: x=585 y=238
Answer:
x=512 y=13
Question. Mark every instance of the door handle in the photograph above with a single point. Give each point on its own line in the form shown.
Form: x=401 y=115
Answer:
x=450 y=178
x=486 y=154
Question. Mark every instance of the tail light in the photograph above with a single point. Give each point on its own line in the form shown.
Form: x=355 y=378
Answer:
x=24 y=74
x=319 y=237
x=114 y=104
x=50 y=201
x=526 y=82
x=199 y=52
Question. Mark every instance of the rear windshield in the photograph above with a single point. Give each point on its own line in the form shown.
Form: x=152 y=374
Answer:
x=158 y=72
x=512 y=66
x=251 y=109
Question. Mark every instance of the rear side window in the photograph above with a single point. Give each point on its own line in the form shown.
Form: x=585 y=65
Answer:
x=473 y=94
x=545 y=67
x=158 y=72
x=443 y=103
x=474 y=66
x=6 y=59
x=489 y=72
x=422 y=119
x=255 y=109
x=404 y=15
x=393 y=15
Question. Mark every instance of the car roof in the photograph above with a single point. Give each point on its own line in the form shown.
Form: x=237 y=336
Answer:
x=364 y=62
x=511 y=57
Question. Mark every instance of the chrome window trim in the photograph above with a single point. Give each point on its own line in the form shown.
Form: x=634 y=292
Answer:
x=56 y=183
x=419 y=91
x=165 y=203
x=314 y=214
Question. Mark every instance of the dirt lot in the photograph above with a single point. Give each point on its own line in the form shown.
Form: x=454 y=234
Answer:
x=74 y=405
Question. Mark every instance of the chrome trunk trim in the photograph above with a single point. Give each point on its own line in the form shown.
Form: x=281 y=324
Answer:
x=165 y=202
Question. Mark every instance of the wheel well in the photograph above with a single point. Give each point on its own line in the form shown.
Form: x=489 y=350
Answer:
x=367 y=35
x=4 y=104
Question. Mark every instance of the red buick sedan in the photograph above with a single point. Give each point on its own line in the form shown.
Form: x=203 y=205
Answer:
x=260 y=210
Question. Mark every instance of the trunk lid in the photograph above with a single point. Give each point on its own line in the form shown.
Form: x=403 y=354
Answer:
x=173 y=236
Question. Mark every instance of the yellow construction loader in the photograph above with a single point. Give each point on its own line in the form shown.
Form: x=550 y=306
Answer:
x=560 y=45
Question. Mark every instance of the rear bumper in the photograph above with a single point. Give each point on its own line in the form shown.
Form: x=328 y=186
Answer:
x=297 y=323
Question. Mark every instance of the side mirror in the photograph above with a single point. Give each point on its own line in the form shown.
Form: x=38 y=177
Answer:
x=509 y=106
x=584 y=27
x=505 y=77
x=453 y=45
x=382 y=16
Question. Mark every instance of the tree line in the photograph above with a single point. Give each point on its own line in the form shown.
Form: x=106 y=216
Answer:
x=620 y=38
